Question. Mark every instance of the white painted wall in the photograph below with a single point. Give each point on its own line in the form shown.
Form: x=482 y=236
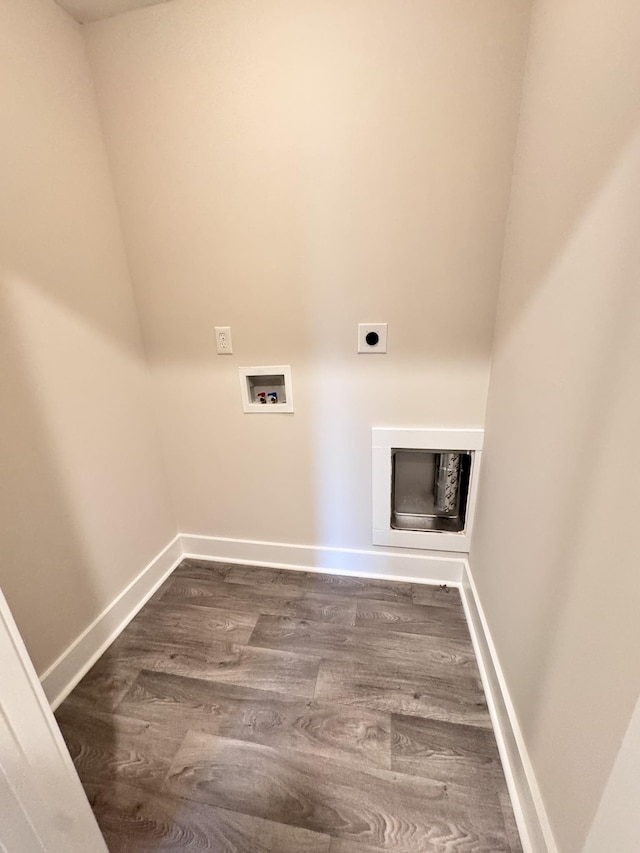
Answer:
x=290 y=169
x=555 y=538
x=83 y=499
x=616 y=827
x=92 y=10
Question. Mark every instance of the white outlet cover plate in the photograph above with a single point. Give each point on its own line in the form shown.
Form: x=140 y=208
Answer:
x=224 y=345
x=363 y=331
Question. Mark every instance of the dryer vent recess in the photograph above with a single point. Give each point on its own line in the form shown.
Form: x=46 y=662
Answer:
x=429 y=489
x=425 y=487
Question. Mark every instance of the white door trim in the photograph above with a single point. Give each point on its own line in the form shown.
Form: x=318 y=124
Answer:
x=42 y=802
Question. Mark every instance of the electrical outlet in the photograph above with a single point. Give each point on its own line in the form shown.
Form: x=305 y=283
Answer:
x=223 y=340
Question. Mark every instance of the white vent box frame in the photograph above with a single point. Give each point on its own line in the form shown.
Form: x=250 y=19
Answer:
x=266 y=390
x=425 y=486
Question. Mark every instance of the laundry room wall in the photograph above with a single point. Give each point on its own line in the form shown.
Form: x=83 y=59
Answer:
x=291 y=169
x=84 y=501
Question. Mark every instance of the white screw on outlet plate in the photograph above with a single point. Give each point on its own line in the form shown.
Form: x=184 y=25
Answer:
x=372 y=337
x=223 y=340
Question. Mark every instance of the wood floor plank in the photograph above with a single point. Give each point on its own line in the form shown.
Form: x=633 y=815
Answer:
x=412 y=619
x=434 y=656
x=248 y=710
x=201 y=569
x=110 y=747
x=264 y=669
x=135 y=821
x=290 y=582
x=450 y=752
x=440 y=838
x=272 y=719
x=179 y=622
x=103 y=686
x=289 y=788
x=388 y=810
x=253 y=599
x=195 y=570
x=383 y=590
x=436 y=595
x=403 y=690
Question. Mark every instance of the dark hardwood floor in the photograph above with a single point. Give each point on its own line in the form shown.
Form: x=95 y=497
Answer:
x=250 y=710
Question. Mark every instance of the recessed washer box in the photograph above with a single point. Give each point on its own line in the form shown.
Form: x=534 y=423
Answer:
x=266 y=390
x=425 y=484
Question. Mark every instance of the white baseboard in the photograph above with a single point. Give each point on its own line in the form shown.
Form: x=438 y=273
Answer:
x=64 y=673
x=530 y=813
x=338 y=561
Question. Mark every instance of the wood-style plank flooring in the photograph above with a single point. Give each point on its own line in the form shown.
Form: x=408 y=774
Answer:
x=253 y=710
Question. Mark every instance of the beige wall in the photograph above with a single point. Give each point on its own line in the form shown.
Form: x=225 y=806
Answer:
x=554 y=554
x=616 y=827
x=83 y=503
x=291 y=169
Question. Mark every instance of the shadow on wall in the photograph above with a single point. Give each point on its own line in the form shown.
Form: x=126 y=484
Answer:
x=556 y=537
x=567 y=318
x=84 y=499
x=581 y=117
x=592 y=447
x=86 y=503
x=43 y=555
x=554 y=541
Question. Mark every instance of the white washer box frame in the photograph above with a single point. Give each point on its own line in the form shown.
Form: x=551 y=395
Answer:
x=246 y=373
x=383 y=441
